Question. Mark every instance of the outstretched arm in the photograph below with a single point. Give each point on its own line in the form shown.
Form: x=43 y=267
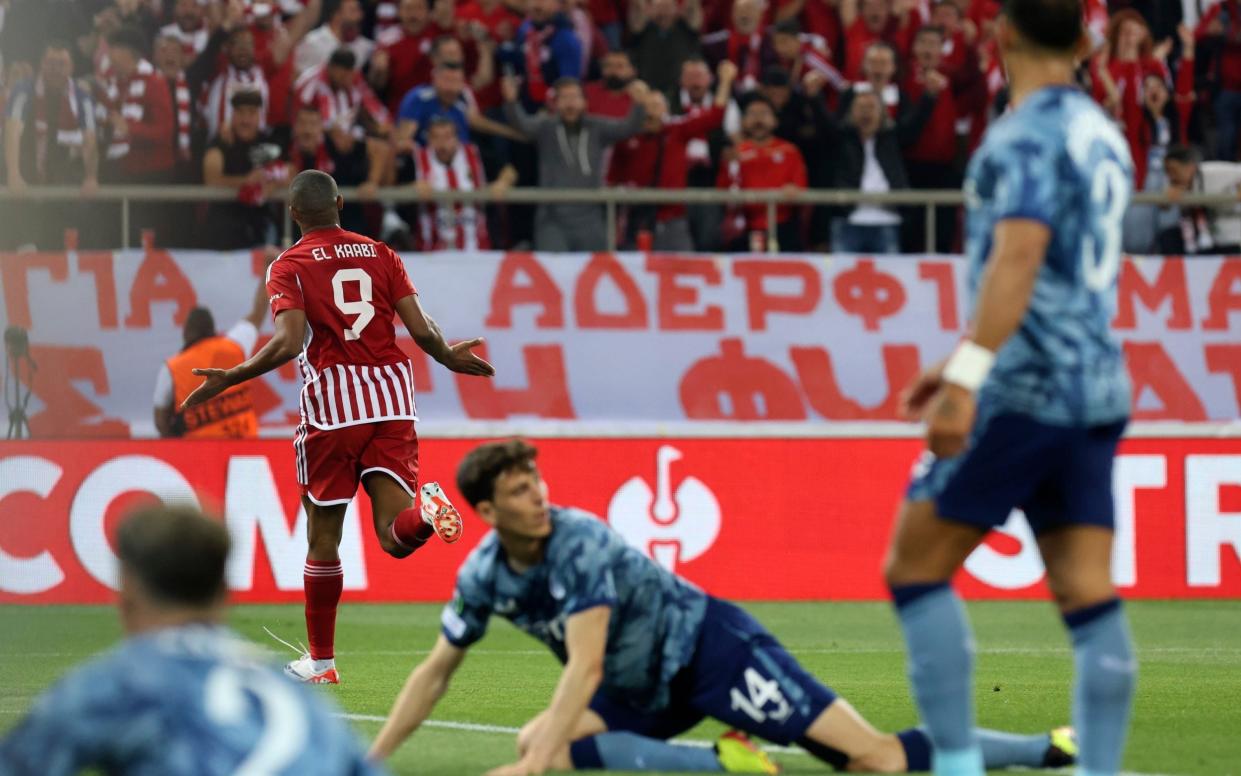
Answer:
x=427 y=683
x=279 y=350
x=586 y=637
x=427 y=335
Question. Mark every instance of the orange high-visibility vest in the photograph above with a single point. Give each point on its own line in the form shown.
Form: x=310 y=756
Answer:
x=231 y=414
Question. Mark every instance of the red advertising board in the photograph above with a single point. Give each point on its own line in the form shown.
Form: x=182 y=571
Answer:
x=751 y=519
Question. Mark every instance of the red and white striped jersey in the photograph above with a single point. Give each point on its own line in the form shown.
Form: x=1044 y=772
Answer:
x=216 y=106
x=459 y=226
x=348 y=285
x=387 y=17
x=339 y=107
x=192 y=42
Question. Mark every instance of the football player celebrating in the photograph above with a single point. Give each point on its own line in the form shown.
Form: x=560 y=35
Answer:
x=334 y=295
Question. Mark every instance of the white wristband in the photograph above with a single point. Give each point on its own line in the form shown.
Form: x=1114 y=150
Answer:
x=969 y=366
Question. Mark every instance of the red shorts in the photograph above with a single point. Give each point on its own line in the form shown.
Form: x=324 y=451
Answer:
x=330 y=464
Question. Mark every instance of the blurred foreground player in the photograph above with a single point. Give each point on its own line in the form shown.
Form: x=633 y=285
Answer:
x=334 y=295
x=183 y=695
x=1028 y=411
x=646 y=655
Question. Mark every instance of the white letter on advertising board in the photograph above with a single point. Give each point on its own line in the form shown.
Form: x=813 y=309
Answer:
x=1207 y=527
x=252 y=505
x=27 y=576
x=123 y=474
x=1008 y=572
x=1130 y=473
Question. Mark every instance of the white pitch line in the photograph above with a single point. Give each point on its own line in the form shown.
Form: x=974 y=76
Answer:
x=475 y=727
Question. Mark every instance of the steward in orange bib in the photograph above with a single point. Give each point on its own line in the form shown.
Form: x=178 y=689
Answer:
x=229 y=415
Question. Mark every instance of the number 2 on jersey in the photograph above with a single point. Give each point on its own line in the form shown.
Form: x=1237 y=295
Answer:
x=361 y=308
x=283 y=728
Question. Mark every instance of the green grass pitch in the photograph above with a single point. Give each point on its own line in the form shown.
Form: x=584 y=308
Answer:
x=1187 y=718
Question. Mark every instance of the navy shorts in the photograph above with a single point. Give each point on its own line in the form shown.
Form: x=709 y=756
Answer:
x=740 y=675
x=1057 y=475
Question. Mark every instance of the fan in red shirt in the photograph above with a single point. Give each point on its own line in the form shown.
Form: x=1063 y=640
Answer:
x=764 y=161
x=932 y=160
x=403 y=59
x=657 y=158
x=609 y=96
x=867 y=21
x=334 y=295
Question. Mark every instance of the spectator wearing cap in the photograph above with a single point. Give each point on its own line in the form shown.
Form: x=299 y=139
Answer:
x=545 y=50
x=364 y=165
x=745 y=44
x=139 y=116
x=342 y=29
x=762 y=161
x=664 y=35
x=933 y=161
x=867 y=21
x=245 y=159
x=656 y=158
x=869 y=159
x=403 y=60
x=609 y=96
x=570 y=147
x=445 y=163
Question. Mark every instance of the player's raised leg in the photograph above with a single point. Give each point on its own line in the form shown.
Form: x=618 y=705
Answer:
x=389 y=465
x=324 y=580
x=924 y=554
x=1078 y=560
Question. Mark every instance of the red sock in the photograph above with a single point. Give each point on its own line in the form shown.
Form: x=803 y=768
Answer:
x=324 y=580
x=410 y=530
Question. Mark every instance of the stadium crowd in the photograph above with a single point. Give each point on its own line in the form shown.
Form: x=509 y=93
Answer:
x=870 y=95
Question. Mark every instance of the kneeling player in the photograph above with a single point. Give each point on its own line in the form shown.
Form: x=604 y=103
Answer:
x=646 y=655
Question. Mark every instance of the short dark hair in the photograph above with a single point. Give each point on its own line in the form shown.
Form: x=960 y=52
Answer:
x=482 y=466
x=932 y=29
x=176 y=553
x=129 y=37
x=313 y=192
x=441 y=41
x=440 y=120
x=58 y=44
x=246 y=98
x=566 y=80
x=1054 y=25
x=788 y=26
x=199 y=324
x=343 y=57
x=1183 y=153
x=758 y=98
x=695 y=59
x=881 y=44
x=619 y=52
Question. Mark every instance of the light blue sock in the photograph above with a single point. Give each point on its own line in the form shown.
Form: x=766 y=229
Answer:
x=631 y=752
x=1105 y=673
x=941 y=666
x=1003 y=750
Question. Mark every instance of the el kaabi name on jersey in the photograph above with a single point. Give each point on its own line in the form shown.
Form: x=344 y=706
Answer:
x=344 y=251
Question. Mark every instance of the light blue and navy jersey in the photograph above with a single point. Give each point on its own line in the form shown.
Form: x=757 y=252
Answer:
x=656 y=616
x=1059 y=160
x=189 y=701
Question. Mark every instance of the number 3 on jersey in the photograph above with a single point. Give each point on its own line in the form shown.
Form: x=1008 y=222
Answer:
x=361 y=308
x=1101 y=258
